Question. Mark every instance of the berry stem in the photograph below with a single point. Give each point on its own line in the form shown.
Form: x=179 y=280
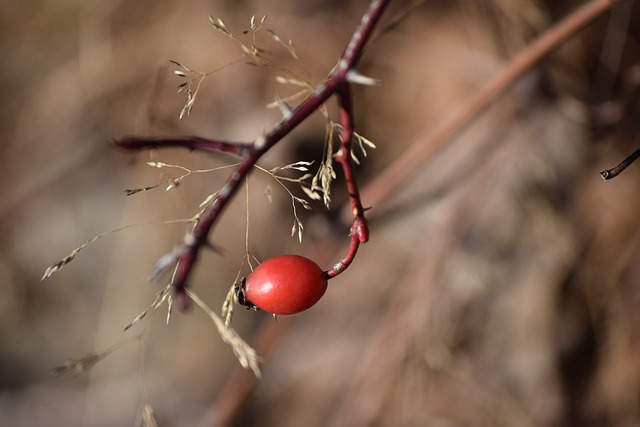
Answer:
x=359 y=229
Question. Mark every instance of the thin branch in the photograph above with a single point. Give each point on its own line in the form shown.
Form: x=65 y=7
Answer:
x=134 y=143
x=607 y=174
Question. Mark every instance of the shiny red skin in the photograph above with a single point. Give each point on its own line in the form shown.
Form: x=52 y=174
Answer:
x=285 y=284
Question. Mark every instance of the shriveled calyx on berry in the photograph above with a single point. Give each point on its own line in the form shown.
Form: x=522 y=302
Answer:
x=284 y=284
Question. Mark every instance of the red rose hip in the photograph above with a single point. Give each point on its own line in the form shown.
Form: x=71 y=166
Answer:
x=284 y=284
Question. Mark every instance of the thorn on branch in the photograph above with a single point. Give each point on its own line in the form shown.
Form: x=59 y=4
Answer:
x=260 y=142
x=166 y=261
x=284 y=108
x=354 y=77
x=215 y=248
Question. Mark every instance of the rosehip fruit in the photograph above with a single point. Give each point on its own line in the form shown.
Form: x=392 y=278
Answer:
x=284 y=284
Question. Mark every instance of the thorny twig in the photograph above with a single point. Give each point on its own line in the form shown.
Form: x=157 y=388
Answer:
x=185 y=254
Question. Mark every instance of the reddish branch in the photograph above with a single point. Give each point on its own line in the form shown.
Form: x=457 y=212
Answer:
x=190 y=142
x=359 y=230
x=185 y=253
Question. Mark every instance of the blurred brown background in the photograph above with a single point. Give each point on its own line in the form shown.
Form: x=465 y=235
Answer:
x=499 y=287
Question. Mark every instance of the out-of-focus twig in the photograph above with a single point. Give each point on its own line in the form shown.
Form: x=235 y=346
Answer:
x=414 y=157
x=607 y=174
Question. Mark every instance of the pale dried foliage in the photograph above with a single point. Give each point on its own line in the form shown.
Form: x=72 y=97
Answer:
x=162 y=297
x=258 y=56
x=276 y=175
x=58 y=265
x=73 y=367
x=174 y=182
x=250 y=51
x=146 y=417
x=246 y=355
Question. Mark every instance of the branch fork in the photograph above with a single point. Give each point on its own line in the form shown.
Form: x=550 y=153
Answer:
x=184 y=254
